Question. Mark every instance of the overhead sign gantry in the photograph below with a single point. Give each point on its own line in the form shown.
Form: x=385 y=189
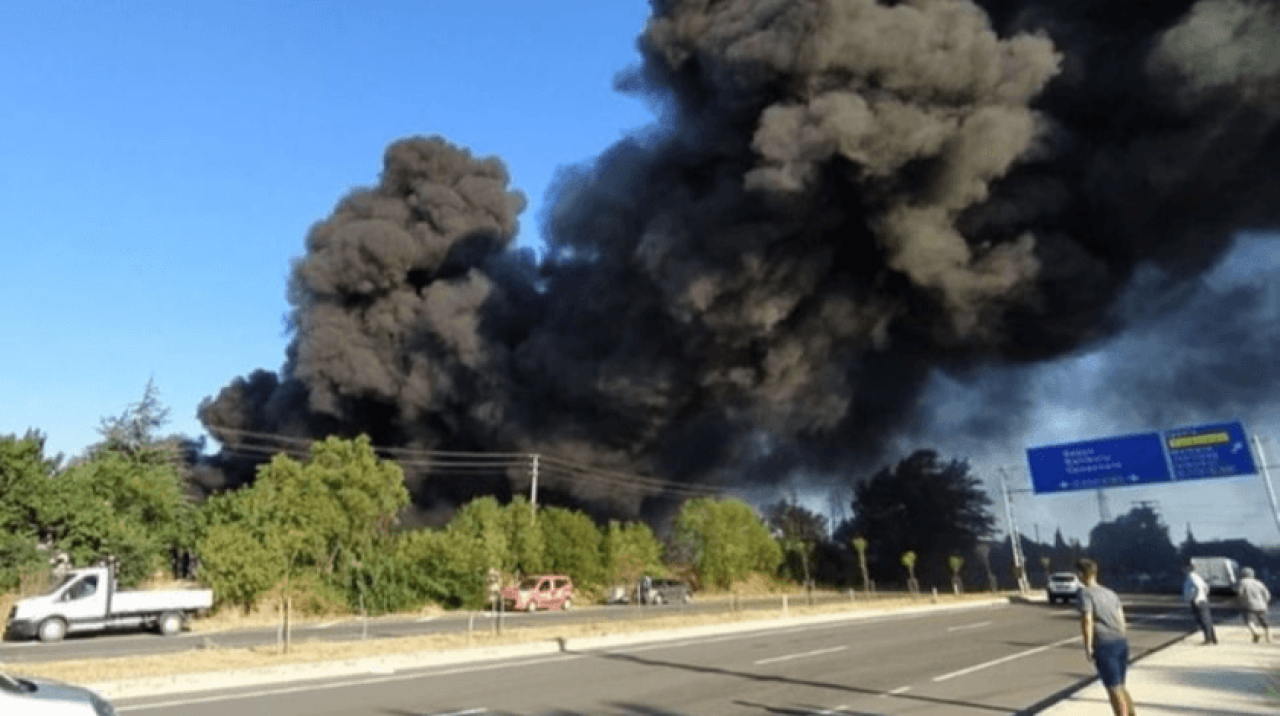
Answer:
x=1191 y=453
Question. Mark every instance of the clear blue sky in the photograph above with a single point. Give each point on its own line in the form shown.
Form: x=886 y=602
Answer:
x=160 y=164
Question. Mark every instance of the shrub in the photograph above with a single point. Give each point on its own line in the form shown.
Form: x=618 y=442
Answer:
x=729 y=540
x=573 y=546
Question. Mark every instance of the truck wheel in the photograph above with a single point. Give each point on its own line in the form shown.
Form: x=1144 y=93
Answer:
x=169 y=624
x=52 y=630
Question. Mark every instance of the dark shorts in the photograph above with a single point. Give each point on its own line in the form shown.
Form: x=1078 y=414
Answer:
x=1258 y=616
x=1112 y=660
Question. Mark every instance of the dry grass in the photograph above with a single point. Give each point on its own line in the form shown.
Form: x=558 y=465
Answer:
x=7 y=600
x=208 y=657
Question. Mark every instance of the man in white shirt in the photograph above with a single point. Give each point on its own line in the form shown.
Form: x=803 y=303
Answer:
x=1195 y=592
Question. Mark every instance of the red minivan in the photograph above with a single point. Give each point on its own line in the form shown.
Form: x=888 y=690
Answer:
x=545 y=591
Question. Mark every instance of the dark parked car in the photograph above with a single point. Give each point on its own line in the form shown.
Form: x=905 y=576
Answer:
x=666 y=591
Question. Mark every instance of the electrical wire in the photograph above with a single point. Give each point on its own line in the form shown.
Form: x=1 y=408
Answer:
x=468 y=464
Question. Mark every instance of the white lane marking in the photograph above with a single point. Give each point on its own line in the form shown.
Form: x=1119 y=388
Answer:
x=831 y=712
x=326 y=625
x=1005 y=659
x=427 y=619
x=468 y=712
x=337 y=684
x=698 y=641
x=1157 y=617
x=428 y=673
x=895 y=692
x=968 y=626
x=789 y=657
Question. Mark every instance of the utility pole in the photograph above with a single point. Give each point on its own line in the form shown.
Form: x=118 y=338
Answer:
x=533 y=490
x=1261 y=457
x=1019 y=565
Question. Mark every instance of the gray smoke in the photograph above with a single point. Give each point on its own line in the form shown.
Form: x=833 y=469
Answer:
x=841 y=199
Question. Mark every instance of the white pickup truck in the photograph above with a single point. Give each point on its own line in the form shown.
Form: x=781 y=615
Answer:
x=87 y=600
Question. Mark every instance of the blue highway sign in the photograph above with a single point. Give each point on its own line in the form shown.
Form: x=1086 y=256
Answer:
x=1109 y=462
x=1204 y=451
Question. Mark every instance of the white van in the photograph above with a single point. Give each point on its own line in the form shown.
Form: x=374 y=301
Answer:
x=87 y=600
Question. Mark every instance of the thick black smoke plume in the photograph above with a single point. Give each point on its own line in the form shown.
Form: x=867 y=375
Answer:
x=840 y=199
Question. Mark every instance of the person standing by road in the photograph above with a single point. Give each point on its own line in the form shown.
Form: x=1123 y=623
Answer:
x=1254 y=599
x=1195 y=592
x=1106 y=640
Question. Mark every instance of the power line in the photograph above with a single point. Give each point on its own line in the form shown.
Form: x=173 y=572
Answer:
x=575 y=475
x=465 y=463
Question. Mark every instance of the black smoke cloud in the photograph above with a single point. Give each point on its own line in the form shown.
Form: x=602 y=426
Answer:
x=840 y=200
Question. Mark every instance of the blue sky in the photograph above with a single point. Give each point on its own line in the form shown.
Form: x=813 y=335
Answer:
x=160 y=164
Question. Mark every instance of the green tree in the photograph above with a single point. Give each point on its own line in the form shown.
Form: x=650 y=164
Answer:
x=909 y=561
x=922 y=504
x=484 y=521
x=325 y=515
x=630 y=551
x=127 y=505
x=1135 y=543
x=573 y=545
x=729 y=539
x=237 y=565
x=137 y=428
x=417 y=567
x=956 y=562
x=25 y=486
x=524 y=534
x=24 y=501
x=860 y=545
x=332 y=507
x=799 y=531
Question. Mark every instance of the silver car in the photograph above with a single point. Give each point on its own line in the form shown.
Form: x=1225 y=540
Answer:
x=1063 y=587
x=28 y=696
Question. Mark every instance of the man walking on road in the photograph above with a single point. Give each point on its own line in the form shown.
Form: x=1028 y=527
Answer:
x=1195 y=592
x=1106 y=641
x=1254 y=599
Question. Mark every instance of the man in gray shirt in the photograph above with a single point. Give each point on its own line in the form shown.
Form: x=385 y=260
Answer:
x=1106 y=641
x=1254 y=599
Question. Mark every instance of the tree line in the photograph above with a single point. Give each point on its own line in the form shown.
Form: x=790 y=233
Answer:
x=325 y=525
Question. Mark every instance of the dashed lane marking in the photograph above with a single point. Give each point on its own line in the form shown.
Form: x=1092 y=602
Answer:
x=969 y=626
x=789 y=657
x=1005 y=659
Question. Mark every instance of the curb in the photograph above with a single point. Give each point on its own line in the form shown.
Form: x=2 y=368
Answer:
x=1064 y=694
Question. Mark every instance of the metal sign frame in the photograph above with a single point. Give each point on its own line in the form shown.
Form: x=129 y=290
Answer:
x=1198 y=452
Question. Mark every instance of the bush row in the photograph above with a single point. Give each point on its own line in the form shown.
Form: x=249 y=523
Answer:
x=327 y=525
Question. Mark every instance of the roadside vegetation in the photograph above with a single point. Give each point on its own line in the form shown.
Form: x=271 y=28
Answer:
x=318 y=532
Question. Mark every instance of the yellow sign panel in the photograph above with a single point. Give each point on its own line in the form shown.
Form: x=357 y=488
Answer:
x=1188 y=441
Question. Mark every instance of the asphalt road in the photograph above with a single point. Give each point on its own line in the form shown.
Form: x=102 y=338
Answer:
x=136 y=643
x=1013 y=659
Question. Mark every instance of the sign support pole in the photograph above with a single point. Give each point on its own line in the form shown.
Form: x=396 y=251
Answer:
x=1266 y=477
x=533 y=489
x=1015 y=545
